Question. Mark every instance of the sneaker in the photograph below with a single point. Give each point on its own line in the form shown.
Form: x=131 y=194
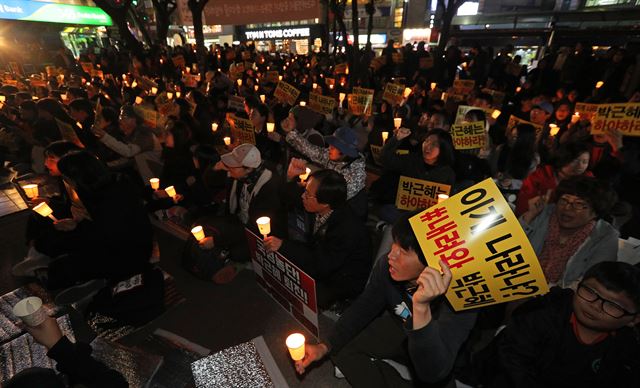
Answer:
x=80 y=292
x=28 y=266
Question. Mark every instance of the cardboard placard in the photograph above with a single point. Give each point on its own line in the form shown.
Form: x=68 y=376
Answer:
x=242 y=130
x=393 y=93
x=291 y=287
x=587 y=111
x=514 y=121
x=360 y=104
x=149 y=116
x=414 y=194
x=286 y=93
x=321 y=104
x=468 y=136
x=236 y=102
x=624 y=117
x=477 y=235
x=357 y=90
x=463 y=86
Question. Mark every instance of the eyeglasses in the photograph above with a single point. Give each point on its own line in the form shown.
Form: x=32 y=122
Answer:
x=575 y=205
x=610 y=308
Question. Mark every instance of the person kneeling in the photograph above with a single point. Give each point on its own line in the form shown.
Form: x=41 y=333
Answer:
x=421 y=331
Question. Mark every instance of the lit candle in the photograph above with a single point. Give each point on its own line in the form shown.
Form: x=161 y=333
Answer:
x=397 y=122
x=124 y=76
x=44 y=210
x=34 y=98
x=442 y=197
x=303 y=177
x=518 y=89
x=169 y=95
x=575 y=118
x=599 y=84
x=331 y=86
x=314 y=85
x=303 y=103
x=3 y=98
x=134 y=84
x=154 y=90
x=407 y=92
x=227 y=141
x=443 y=96
x=263 y=98
x=155 y=183
x=434 y=86
x=239 y=81
x=295 y=343
x=139 y=100
x=264 y=226
x=64 y=97
x=280 y=77
x=31 y=190
x=256 y=87
x=342 y=96
x=178 y=94
x=553 y=129
x=171 y=192
x=214 y=127
x=271 y=127
x=198 y=233
x=385 y=136
x=495 y=114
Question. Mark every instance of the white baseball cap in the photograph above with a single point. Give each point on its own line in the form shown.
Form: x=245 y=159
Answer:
x=244 y=155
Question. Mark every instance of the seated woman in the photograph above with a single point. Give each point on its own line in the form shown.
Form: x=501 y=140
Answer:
x=571 y=159
x=570 y=236
x=419 y=329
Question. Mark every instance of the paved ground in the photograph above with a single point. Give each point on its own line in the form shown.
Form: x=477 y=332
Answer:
x=213 y=316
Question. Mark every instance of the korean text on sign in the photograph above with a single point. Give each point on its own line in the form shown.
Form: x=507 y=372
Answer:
x=360 y=104
x=416 y=194
x=292 y=288
x=586 y=110
x=623 y=117
x=468 y=136
x=286 y=93
x=514 y=122
x=321 y=104
x=476 y=234
x=242 y=130
x=393 y=93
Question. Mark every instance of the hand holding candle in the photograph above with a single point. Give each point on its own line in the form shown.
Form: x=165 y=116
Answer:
x=264 y=226
x=227 y=141
x=553 y=129
x=397 y=122
x=198 y=233
x=342 y=97
x=30 y=311
x=171 y=192
x=263 y=98
x=44 y=210
x=155 y=183
x=295 y=344
x=575 y=118
x=385 y=136
x=271 y=127
x=305 y=176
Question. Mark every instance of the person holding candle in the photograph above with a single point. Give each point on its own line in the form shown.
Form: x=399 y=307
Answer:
x=417 y=327
x=338 y=253
x=270 y=151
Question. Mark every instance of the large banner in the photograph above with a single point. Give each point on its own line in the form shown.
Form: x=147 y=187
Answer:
x=623 y=117
x=264 y=11
x=468 y=136
x=477 y=235
x=414 y=194
x=286 y=283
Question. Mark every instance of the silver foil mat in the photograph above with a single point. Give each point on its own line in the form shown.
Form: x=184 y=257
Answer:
x=237 y=366
x=136 y=366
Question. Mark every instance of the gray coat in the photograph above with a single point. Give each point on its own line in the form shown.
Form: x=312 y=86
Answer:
x=601 y=245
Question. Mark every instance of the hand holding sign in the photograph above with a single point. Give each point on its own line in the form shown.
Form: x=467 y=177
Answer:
x=431 y=284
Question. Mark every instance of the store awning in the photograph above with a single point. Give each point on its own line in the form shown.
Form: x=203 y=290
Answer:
x=38 y=11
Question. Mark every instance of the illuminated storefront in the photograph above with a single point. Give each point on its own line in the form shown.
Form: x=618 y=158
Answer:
x=296 y=39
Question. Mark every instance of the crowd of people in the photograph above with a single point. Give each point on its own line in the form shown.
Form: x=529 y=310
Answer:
x=124 y=137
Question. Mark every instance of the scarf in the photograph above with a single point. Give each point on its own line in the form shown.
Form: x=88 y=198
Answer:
x=555 y=254
x=319 y=226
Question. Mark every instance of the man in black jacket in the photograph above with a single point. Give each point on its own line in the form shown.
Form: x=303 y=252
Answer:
x=338 y=256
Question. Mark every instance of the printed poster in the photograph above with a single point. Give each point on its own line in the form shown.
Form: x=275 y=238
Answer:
x=468 y=136
x=414 y=194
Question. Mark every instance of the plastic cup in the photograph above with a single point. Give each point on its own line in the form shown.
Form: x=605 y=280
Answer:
x=385 y=136
x=303 y=103
x=264 y=225
x=44 y=210
x=155 y=183
x=30 y=311
x=263 y=98
x=214 y=127
x=31 y=190
x=303 y=177
x=442 y=197
x=227 y=141
x=495 y=114
x=271 y=127
x=397 y=122
x=198 y=233
x=295 y=344
x=171 y=191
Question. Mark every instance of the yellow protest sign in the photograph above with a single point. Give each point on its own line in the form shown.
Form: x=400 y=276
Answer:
x=477 y=235
x=515 y=121
x=416 y=194
x=357 y=90
x=286 y=93
x=426 y=63
x=463 y=86
x=242 y=130
x=321 y=104
x=623 y=117
x=149 y=116
x=468 y=136
x=393 y=93
x=586 y=110
x=360 y=104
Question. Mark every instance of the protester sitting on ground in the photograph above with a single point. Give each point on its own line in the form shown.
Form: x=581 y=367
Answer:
x=73 y=360
x=583 y=338
x=270 y=150
x=569 y=235
x=108 y=235
x=253 y=191
x=338 y=256
x=343 y=157
x=138 y=140
x=295 y=122
x=419 y=328
x=571 y=159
